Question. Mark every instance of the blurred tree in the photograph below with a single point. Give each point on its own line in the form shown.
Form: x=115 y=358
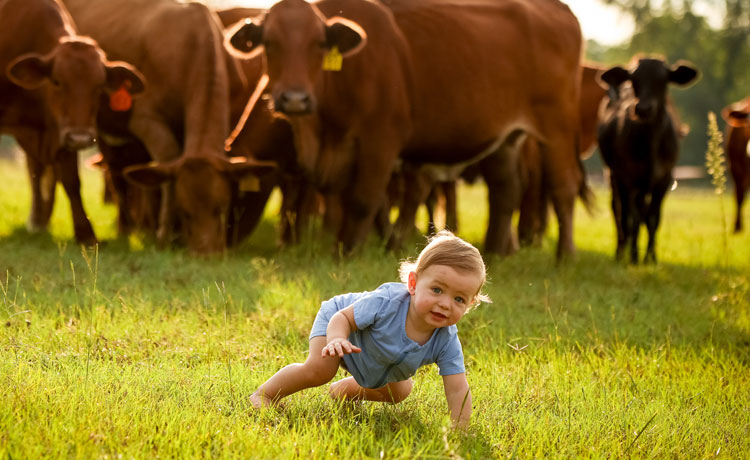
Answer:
x=672 y=28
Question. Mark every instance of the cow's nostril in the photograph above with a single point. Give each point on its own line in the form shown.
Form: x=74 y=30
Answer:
x=294 y=102
x=78 y=140
x=643 y=110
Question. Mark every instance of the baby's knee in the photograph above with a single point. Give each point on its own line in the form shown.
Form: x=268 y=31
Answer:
x=400 y=390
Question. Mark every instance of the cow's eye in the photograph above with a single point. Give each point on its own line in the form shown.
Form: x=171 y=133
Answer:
x=55 y=82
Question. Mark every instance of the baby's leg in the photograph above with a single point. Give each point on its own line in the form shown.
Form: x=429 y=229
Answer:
x=315 y=371
x=348 y=388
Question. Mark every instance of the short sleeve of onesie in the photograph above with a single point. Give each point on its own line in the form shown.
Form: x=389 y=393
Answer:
x=368 y=309
x=451 y=358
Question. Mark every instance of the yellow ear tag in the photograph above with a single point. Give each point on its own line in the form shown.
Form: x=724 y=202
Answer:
x=333 y=59
x=249 y=184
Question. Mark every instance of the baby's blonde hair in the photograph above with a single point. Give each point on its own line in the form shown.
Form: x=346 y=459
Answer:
x=445 y=248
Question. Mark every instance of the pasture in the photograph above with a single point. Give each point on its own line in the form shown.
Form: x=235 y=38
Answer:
x=125 y=351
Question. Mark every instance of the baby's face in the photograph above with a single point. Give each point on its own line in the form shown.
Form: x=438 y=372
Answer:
x=441 y=295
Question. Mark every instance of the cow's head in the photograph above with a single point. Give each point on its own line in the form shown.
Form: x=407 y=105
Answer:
x=203 y=192
x=650 y=80
x=295 y=38
x=72 y=77
x=737 y=114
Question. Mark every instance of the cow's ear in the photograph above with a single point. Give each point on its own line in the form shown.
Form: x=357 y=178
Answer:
x=737 y=119
x=682 y=73
x=149 y=175
x=239 y=168
x=122 y=74
x=613 y=77
x=346 y=35
x=29 y=70
x=244 y=39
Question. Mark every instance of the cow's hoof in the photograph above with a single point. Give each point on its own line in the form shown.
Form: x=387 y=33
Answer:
x=87 y=240
x=33 y=227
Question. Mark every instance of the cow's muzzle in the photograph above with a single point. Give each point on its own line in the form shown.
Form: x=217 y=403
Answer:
x=294 y=103
x=644 y=110
x=76 y=139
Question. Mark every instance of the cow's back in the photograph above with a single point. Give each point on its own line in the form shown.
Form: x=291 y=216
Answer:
x=484 y=65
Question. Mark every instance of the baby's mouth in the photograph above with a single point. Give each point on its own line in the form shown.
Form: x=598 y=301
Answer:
x=438 y=315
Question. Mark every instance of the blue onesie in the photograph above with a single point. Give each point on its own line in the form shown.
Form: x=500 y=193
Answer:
x=388 y=354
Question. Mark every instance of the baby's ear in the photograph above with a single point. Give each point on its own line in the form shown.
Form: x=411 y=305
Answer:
x=411 y=282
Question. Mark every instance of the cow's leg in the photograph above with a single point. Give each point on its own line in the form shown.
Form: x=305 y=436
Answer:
x=43 y=181
x=121 y=196
x=383 y=221
x=291 y=195
x=739 y=196
x=377 y=153
x=621 y=212
x=653 y=218
x=530 y=171
x=563 y=176
x=504 y=195
x=66 y=164
x=334 y=214
x=299 y=203
x=416 y=187
x=38 y=148
x=431 y=203
x=451 y=210
x=161 y=144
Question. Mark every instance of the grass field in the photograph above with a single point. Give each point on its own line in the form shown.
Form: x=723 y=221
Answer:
x=129 y=352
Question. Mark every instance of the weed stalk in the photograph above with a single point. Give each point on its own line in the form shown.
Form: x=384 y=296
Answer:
x=715 y=167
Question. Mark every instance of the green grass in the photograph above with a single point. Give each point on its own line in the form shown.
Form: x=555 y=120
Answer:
x=130 y=352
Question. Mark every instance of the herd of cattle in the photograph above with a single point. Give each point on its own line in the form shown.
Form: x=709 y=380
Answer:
x=351 y=107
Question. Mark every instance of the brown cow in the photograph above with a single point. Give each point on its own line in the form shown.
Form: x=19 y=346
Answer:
x=478 y=91
x=264 y=136
x=532 y=221
x=184 y=118
x=50 y=83
x=349 y=122
x=737 y=150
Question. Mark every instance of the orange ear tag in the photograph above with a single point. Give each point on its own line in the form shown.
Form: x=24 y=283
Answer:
x=332 y=60
x=120 y=100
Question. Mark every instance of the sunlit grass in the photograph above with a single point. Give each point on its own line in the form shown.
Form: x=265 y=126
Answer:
x=144 y=353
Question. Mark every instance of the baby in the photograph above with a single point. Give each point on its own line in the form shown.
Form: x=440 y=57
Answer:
x=382 y=337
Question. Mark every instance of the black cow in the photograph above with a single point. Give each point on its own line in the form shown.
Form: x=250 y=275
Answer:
x=638 y=139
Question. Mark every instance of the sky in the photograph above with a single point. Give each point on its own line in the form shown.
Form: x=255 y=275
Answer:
x=605 y=24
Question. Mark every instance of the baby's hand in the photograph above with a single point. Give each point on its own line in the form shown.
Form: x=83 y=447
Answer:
x=339 y=347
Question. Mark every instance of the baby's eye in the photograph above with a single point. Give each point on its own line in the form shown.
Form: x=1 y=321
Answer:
x=459 y=300
x=437 y=290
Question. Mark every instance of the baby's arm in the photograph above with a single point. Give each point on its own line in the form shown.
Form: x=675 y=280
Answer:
x=458 y=394
x=337 y=334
